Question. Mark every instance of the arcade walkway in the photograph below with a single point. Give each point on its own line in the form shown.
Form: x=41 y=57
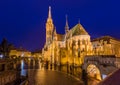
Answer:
x=48 y=77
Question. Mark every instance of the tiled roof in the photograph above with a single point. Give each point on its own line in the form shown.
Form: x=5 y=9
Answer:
x=77 y=30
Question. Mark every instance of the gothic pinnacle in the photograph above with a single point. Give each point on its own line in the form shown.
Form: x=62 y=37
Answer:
x=66 y=26
x=49 y=14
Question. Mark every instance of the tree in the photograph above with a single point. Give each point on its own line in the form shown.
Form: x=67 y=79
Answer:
x=5 y=47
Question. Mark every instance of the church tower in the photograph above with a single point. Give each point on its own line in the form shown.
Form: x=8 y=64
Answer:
x=66 y=26
x=49 y=27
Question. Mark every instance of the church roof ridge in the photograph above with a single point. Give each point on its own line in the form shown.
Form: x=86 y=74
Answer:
x=78 y=29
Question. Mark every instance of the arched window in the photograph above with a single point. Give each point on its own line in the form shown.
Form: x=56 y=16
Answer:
x=78 y=42
x=73 y=43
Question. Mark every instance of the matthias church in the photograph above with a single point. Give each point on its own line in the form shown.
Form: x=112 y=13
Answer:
x=75 y=44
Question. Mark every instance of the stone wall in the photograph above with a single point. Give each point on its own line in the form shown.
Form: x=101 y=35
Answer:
x=8 y=73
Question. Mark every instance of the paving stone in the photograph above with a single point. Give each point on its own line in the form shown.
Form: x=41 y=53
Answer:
x=48 y=77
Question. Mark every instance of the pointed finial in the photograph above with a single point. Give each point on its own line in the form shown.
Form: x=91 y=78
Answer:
x=66 y=16
x=55 y=28
x=79 y=21
x=67 y=27
x=66 y=20
x=55 y=31
x=49 y=14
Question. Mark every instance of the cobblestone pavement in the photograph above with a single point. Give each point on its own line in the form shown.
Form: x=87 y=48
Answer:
x=49 y=77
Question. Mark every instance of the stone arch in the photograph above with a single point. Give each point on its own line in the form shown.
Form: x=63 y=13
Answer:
x=95 y=70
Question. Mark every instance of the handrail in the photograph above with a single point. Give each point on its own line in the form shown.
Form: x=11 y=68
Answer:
x=25 y=82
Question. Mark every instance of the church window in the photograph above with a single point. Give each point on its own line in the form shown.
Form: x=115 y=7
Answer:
x=83 y=41
x=78 y=42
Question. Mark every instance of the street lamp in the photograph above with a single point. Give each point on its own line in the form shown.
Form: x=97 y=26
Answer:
x=67 y=56
x=59 y=58
x=73 y=54
x=51 y=63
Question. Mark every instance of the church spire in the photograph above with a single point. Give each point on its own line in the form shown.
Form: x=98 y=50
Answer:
x=66 y=26
x=49 y=13
x=49 y=27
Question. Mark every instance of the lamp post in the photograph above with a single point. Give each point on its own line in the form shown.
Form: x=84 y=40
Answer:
x=59 y=58
x=67 y=65
x=73 y=54
x=67 y=56
x=51 y=63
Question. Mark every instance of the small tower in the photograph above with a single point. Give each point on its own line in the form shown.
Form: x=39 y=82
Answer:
x=66 y=26
x=55 y=34
x=49 y=27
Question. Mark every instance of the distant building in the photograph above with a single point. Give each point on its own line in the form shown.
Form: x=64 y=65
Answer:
x=75 y=44
x=19 y=53
x=106 y=45
x=37 y=54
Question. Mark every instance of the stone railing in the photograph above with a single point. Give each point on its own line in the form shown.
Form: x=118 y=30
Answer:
x=7 y=77
x=101 y=60
x=24 y=82
x=8 y=71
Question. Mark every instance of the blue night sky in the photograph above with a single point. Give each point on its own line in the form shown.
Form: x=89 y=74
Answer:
x=22 y=22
